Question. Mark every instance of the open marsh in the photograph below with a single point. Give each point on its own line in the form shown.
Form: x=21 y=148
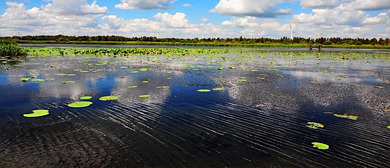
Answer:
x=194 y=108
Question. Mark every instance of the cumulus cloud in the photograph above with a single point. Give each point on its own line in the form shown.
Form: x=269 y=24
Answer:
x=93 y=8
x=144 y=4
x=319 y=3
x=204 y=19
x=370 y=5
x=176 y=20
x=264 y=8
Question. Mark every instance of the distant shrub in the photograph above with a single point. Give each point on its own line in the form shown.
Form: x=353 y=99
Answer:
x=8 y=48
x=327 y=42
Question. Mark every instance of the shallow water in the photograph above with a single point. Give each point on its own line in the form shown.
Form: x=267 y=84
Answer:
x=257 y=123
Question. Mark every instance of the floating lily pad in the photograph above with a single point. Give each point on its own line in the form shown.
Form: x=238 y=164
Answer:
x=24 y=79
x=319 y=145
x=204 y=90
x=132 y=87
x=37 y=80
x=388 y=127
x=108 y=98
x=351 y=117
x=86 y=97
x=143 y=69
x=169 y=72
x=69 y=75
x=218 y=89
x=80 y=104
x=50 y=79
x=242 y=80
x=84 y=71
x=145 y=81
x=133 y=72
x=123 y=67
x=37 y=113
x=68 y=82
x=61 y=74
x=220 y=68
x=169 y=78
x=144 y=96
x=163 y=87
x=314 y=125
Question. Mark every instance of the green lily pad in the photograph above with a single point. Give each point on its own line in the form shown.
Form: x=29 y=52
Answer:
x=70 y=75
x=24 y=79
x=388 y=127
x=242 y=80
x=346 y=116
x=169 y=72
x=143 y=69
x=68 y=82
x=84 y=71
x=314 y=125
x=204 y=90
x=37 y=80
x=50 y=79
x=220 y=68
x=61 y=74
x=163 y=87
x=319 y=145
x=132 y=87
x=133 y=72
x=144 y=96
x=218 y=89
x=37 y=113
x=145 y=81
x=80 y=104
x=108 y=98
x=86 y=98
x=232 y=67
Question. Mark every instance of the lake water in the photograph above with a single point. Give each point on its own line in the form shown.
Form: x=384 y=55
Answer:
x=260 y=121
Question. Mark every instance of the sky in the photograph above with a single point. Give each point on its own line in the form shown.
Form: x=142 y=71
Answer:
x=197 y=18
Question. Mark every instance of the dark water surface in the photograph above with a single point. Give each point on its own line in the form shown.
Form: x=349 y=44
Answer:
x=257 y=123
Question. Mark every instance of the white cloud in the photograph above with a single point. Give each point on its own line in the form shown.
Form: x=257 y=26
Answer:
x=187 y=5
x=93 y=8
x=370 y=5
x=247 y=21
x=176 y=20
x=144 y=4
x=204 y=19
x=264 y=8
x=319 y=3
x=382 y=18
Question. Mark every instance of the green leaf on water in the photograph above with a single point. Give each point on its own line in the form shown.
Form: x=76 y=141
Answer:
x=61 y=74
x=24 y=79
x=319 y=145
x=314 y=125
x=132 y=87
x=163 y=87
x=37 y=80
x=232 y=67
x=86 y=97
x=144 y=96
x=220 y=68
x=69 y=75
x=37 y=113
x=134 y=72
x=388 y=127
x=68 y=82
x=108 y=98
x=204 y=90
x=143 y=69
x=80 y=104
x=346 y=116
x=145 y=81
x=218 y=89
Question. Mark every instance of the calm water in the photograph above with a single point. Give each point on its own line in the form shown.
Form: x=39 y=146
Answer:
x=257 y=123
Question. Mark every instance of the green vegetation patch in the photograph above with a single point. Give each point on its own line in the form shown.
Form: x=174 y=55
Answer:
x=80 y=104
x=37 y=113
x=319 y=145
x=108 y=98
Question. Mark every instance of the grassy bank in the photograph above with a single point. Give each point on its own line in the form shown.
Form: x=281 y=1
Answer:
x=209 y=44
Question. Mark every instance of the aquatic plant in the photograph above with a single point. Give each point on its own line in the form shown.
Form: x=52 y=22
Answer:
x=37 y=113
x=346 y=116
x=80 y=104
x=85 y=97
x=108 y=98
x=204 y=90
x=314 y=125
x=144 y=96
x=8 y=48
x=319 y=145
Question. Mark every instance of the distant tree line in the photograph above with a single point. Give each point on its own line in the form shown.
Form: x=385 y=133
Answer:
x=242 y=40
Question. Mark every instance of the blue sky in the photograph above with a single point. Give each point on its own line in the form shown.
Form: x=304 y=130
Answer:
x=170 y=18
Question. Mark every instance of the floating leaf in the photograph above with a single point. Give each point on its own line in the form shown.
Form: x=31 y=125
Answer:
x=143 y=69
x=37 y=80
x=220 y=68
x=70 y=75
x=61 y=74
x=218 y=89
x=133 y=72
x=388 y=127
x=108 y=98
x=145 y=81
x=37 y=113
x=86 y=97
x=50 y=79
x=132 y=87
x=232 y=67
x=169 y=78
x=68 y=82
x=319 y=145
x=242 y=80
x=163 y=87
x=24 y=79
x=84 y=71
x=144 y=96
x=204 y=90
x=314 y=125
x=351 y=117
x=80 y=104
x=169 y=72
